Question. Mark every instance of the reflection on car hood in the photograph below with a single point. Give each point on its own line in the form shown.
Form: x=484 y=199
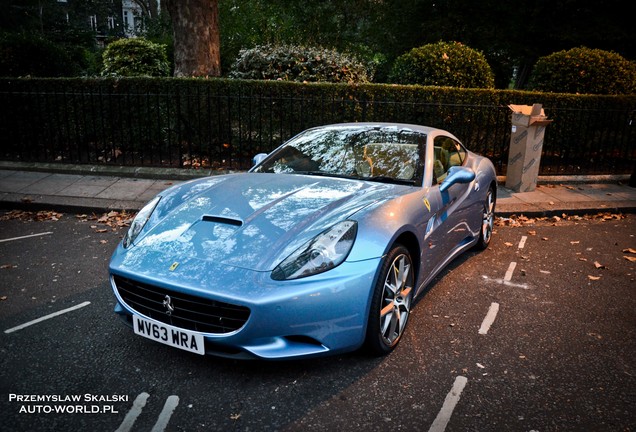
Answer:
x=252 y=220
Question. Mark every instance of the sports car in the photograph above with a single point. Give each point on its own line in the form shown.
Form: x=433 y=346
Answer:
x=321 y=248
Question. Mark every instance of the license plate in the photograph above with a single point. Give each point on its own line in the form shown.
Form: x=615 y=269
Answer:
x=169 y=335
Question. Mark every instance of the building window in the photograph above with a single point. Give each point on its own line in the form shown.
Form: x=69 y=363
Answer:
x=111 y=23
x=93 y=21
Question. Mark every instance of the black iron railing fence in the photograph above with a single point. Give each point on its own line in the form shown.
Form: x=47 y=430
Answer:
x=196 y=124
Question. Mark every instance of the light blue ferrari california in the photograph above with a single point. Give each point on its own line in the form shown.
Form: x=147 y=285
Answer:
x=320 y=248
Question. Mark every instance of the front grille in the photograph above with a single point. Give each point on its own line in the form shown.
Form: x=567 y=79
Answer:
x=190 y=312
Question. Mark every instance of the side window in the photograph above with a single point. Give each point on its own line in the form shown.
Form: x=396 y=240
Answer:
x=448 y=153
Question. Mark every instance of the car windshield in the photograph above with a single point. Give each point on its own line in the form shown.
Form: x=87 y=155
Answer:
x=380 y=153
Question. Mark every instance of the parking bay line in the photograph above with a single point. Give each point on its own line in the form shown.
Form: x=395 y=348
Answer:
x=47 y=317
x=511 y=269
x=490 y=318
x=166 y=413
x=139 y=403
x=444 y=415
x=522 y=242
x=26 y=236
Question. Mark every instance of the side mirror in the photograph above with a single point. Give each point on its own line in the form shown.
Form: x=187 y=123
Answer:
x=457 y=174
x=258 y=158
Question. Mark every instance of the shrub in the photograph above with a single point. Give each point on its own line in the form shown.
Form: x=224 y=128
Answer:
x=298 y=63
x=584 y=70
x=31 y=55
x=135 y=57
x=443 y=64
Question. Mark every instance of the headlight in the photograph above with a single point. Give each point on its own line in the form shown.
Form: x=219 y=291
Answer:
x=139 y=222
x=326 y=251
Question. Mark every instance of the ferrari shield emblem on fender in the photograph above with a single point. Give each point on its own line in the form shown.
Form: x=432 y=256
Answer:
x=174 y=266
x=427 y=204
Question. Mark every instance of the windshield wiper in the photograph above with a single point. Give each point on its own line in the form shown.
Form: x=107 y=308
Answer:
x=381 y=179
x=387 y=179
x=324 y=174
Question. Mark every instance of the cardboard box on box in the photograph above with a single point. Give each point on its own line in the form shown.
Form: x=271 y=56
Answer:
x=526 y=144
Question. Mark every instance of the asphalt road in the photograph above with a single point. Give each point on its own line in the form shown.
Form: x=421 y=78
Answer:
x=537 y=333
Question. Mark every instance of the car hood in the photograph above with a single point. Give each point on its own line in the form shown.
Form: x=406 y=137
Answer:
x=251 y=220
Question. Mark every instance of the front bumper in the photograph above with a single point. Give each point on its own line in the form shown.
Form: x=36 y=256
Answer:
x=313 y=316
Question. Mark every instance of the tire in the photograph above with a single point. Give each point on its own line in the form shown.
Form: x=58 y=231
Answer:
x=487 y=220
x=391 y=303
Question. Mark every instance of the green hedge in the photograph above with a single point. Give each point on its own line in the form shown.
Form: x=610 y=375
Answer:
x=32 y=55
x=222 y=123
x=298 y=63
x=586 y=71
x=443 y=64
x=135 y=57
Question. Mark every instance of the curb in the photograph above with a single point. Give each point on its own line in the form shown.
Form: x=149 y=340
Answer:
x=151 y=173
x=157 y=173
x=80 y=204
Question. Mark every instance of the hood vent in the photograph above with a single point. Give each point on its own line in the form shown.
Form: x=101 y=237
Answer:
x=223 y=220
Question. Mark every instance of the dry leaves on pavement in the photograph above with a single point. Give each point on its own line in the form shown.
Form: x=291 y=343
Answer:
x=521 y=220
x=111 y=221
x=31 y=216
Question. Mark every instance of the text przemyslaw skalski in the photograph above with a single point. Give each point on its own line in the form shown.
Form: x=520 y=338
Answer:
x=86 y=397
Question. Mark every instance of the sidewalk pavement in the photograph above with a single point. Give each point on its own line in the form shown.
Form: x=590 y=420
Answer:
x=86 y=192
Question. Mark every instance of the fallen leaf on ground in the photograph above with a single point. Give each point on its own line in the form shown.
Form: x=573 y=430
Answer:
x=630 y=258
x=598 y=265
x=508 y=244
x=594 y=278
x=629 y=250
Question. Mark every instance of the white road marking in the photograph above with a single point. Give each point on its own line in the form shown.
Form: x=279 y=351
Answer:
x=135 y=411
x=166 y=413
x=522 y=242
x=507 y=283
x=26 y=236
x=138 y=405
x=46 y=317
x=490 y=318
x=444 y=415
x=511 y=269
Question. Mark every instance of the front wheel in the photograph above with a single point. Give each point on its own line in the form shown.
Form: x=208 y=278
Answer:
x=487 y=220
x=391 y=303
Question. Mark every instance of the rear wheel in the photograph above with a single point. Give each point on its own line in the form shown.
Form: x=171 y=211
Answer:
x=487 y=220
x=391 y=304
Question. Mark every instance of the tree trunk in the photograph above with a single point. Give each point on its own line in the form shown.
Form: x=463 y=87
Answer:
x=197 y=40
